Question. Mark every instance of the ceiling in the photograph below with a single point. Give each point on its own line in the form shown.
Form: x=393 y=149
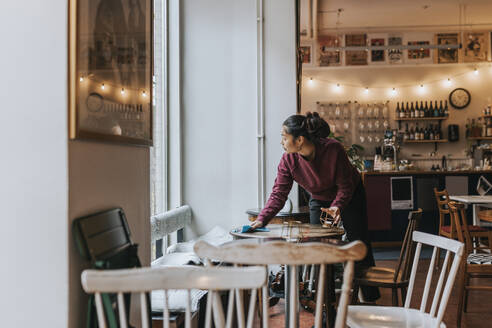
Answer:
x=387 y=15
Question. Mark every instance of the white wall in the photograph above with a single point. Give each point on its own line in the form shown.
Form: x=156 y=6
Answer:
x=33 y=166
x=219 y=104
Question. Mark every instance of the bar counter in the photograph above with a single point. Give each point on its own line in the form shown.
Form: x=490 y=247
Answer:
x=387 y=221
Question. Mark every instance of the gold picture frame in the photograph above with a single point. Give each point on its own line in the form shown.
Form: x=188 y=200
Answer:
x=111 y=70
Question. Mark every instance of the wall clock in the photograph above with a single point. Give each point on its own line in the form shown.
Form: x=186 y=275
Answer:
x=459 y=98
x=94 y=102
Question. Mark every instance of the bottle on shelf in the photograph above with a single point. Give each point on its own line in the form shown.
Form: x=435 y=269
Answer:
x=489 y=128
x=406 y=134
x=446 y=111
x=441 y=109
x=436 y=110
x=407 y=111
x=412 y=111
x=412 y=134
x=422 y=112
x=431 y=133
x=431 y=110
x=467 y=128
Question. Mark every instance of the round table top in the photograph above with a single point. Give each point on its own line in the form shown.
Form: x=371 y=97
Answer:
x=302 y=211
x=309 y=232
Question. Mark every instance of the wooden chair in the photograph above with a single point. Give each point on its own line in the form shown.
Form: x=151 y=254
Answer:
x=144 y=280
x=388 y=277
x=476 y=263
x=445 y=229
x=293 y=255
x=388 y=316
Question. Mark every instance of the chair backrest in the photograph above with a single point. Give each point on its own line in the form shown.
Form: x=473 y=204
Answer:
x=101 y=235
x=442 y=199
x=407 y=247
x=452 y=247
x=293 y=254
x=144 y=280
x=458 y=215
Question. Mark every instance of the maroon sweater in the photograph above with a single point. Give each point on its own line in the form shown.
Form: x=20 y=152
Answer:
x=329 y=177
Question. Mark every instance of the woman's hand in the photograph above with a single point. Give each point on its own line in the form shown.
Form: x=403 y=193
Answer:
x=256 y=224
x=334 y=212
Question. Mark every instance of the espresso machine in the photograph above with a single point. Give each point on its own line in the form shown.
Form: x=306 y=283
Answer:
x=482 y=156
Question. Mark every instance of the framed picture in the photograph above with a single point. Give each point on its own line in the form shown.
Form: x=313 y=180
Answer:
x=110 y=70
x=329 y=57
x=377 y=57
x=306 y=53
x=355 y=57
x=395 y=56
x=475 y=46
x=446 y=56
x=419 y=55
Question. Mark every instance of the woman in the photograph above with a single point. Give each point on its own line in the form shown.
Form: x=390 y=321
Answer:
x=321 y=166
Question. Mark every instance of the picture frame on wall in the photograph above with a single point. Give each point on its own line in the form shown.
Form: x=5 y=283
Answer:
x=355 y=57
x=306 y=53
x=110 y=71
x=475 y=46
x=377 y=57
x=447 y=56
x=329 y=57
x=419 y=56
x=395 y=56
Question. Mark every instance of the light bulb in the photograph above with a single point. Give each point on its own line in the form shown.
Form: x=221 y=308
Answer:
x=122 y=91
x=338 y=86
x=448 y=82
x=393 y=91
x=144 y=94
x=103 y=86
x=310 y=81
x=421 y=86
x=81 y=79
x=366 y=90
x=475 y=71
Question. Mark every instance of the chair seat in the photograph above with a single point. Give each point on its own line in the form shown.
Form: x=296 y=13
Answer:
x=386 y=316
x=379 y=276
x=479 y=259
x=471 y=228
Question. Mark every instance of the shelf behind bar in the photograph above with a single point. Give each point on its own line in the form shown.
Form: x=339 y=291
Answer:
x=479 y=138
x=425 y=141
x=421 y=119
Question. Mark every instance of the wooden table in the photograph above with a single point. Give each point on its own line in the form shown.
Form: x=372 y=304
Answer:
x=309 y=233
x=475 y=201
x=297 y=214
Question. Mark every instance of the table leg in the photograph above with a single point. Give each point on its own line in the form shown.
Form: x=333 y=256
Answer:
x=291 y=296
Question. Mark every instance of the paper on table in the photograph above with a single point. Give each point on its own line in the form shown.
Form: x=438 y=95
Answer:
x=247 y=228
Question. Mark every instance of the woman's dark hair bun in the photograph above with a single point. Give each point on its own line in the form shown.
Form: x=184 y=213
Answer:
x=310 y=126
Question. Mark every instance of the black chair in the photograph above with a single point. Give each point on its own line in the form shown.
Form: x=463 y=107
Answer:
x=104 y=239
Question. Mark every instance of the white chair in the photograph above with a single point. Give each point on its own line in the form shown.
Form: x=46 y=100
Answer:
x=293 y=255
x=144 y=280
x=382 y=316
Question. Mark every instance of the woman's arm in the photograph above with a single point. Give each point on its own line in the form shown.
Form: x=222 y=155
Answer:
x=280 y=191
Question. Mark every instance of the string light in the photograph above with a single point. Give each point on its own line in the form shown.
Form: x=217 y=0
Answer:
x=311 y=81
x=122 y=91
x=103 y=86
x=421 y=88
x=81 y=79
x=144 y=94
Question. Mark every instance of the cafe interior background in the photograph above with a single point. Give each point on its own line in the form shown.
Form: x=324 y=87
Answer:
x=231 y=83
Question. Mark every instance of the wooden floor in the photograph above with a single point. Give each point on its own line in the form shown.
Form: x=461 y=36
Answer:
x=479 y=309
